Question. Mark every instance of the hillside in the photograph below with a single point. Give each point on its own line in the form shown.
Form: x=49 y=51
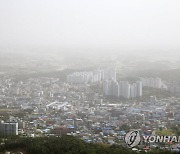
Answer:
x=63 y=145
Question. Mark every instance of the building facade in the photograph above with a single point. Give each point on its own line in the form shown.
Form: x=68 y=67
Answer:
x=8 y=128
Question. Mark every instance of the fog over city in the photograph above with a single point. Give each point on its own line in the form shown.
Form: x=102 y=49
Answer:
x=75 y=72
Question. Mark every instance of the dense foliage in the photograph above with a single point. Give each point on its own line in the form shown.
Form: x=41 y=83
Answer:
x=63 y=145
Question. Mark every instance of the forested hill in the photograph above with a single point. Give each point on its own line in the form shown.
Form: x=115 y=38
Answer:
x=63 y=145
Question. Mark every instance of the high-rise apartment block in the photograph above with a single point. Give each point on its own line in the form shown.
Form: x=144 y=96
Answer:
x=8 y=128
x=91 y=77
x=152 y=82
x=122 y=89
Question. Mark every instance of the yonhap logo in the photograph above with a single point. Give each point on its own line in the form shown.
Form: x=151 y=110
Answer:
x=133 y=138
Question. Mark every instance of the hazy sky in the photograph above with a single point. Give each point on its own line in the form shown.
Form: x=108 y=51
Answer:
x=101 y=24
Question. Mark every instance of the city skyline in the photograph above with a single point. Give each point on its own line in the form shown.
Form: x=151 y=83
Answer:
x=89 y=76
